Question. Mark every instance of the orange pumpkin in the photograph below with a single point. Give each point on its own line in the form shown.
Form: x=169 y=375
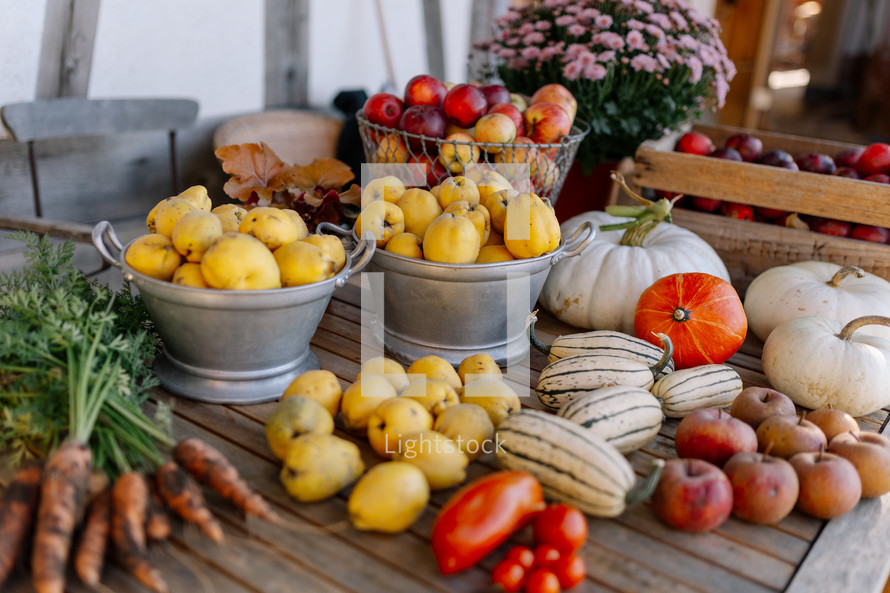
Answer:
x=702 y=314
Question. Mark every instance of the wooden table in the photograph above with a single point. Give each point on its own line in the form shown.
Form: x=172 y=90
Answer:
x=319 y=552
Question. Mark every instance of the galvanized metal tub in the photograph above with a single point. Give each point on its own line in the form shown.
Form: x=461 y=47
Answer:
x=456 y=310
x=232 y=346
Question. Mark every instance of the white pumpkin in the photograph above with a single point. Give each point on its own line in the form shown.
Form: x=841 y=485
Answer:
x=820 y=362
x=599 y=288
x=820 y=289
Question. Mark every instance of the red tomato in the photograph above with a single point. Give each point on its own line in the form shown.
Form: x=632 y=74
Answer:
x=508 y=575
x=546 y=556
x=561 y=525
x=570 y=570
x=521 y=555
x=702 y=314
x=542 y=580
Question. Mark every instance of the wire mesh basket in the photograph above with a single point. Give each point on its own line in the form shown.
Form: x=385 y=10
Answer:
x=540 y=168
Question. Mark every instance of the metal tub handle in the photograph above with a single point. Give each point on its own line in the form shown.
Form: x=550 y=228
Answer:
x=360 y=255
x=577 y=242
x=102 y=231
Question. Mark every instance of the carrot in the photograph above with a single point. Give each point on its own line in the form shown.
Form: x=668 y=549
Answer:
x=63 y=489
x=157 y=520
x=90 y=556
x=129 y=500
x=183 y=495
x=211 y=467
x=17 y=514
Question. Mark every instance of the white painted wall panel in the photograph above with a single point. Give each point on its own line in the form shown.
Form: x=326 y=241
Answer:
x=21 y=29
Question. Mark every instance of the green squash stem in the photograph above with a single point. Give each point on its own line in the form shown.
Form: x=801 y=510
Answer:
x=666 y=356
x=644 y=491
x=645 y=217
x=538 y=344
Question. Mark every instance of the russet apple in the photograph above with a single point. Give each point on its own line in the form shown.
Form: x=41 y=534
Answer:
x=511 y=111
x=557 y=93
x=423 y=120
x=420 y=208
x=384 y=109
x=457 y=188
x=475 y=213
x=785 y=435
x=458 y=151
x=495 y=130
x=829 y=484
x=464 y=104
x=382 y=219
x=869 y=452
x=764 y=488
x=546 y=123
x=755 y=404
x=692 y=495
x=424 y=89
x=713 y=435
x=451 y=239
x=833 y=421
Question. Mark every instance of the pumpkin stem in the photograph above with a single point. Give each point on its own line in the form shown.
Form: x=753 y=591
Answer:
x=847 y=332
x=645 y=218
x=845 y=273
x=538 y=344
x=665 y=356
x=680 y=315
x=645 y=490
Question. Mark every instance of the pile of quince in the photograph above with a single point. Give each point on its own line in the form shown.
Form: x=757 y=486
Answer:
x=426 y=423
x=478 y=218
x=229 y=247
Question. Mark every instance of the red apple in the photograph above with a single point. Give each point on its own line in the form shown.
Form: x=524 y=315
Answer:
x=424 y=120
x=383 y=109
x=869 y=452
x=848 y=172
x=771 y=214
x=424 y=89
x=546 y=123
x=726 y=153
x=740 y=211
x=879 y=178
x=830 y=226
x=829 y=484
x=713 y=435
x=692 y=495
x=777 y=158
x=494 y=94
x=764 y=488
x=753 y=405
x=695 y=143
x=848 y=156
x=511 y=111
x=464 y=104
x=748 y=146
x=434 y=171
x=874 y=159
x=868 y=232
x=784 y=435
x=704 y=204
x=816 y=162
x=556 y=93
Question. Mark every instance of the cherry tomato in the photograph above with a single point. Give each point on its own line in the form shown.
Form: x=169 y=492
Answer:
x=561 y=525
x=508 y=575
x=522 y=555
x=570 y=570
x=546 y=556
x=542 y=580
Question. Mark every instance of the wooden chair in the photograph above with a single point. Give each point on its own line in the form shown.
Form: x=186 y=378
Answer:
x=72 y=117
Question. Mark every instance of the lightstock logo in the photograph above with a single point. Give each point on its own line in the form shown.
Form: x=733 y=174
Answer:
x=413 y=308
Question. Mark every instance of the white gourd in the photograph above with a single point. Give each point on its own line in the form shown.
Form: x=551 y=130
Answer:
x=599 y=288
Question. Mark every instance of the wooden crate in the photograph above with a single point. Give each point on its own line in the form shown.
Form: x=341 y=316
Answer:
x=748 y=247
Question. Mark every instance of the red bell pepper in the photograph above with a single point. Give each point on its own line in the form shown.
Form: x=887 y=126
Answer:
x=482 y=515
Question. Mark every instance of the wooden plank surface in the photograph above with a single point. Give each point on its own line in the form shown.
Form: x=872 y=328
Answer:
x=317 y=549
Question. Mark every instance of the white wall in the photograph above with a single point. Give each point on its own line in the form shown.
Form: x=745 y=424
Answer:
x=21 y=27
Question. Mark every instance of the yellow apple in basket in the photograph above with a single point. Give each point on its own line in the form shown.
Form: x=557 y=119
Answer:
x=496 y=204
x=153 y=255
x=451 y=239
x=237 y=261
x=194 y=233
x=382 y=219
x=274 y=227
x=475 y=213
x=458 y=151
x=530 y=226
x=389 y=188
x=302 y=263
x=454 y=189
x=420 y=208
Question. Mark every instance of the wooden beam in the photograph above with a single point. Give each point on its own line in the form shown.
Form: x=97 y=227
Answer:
x=66 y=53
x=287 y=53
x=435 y=45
